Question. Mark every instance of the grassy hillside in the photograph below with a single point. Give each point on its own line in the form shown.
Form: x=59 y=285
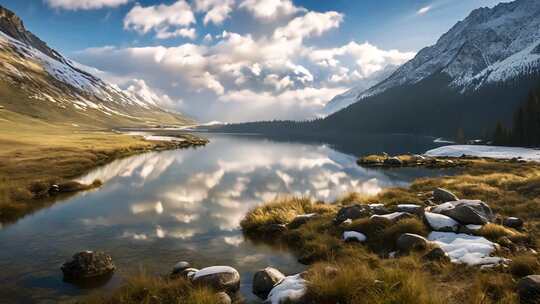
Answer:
x=35 y=154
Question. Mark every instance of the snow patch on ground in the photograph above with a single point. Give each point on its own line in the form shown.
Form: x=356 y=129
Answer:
x=353 y=235
x=439 y=221
x=466 y=249
x=486 y=151
x=292 y=288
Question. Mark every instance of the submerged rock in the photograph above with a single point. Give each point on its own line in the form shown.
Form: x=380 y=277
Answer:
x=529 y=289
x=442 y=195
x=264 y=280
x=466 y=212
x=221 y=278
x=88 y=264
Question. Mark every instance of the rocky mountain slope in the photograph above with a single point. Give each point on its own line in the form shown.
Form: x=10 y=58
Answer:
x=37 y=81
x=351 y=96
x=475 y=75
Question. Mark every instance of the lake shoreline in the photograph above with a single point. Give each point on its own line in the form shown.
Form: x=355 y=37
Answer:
x=37 y=175
x=325 y=237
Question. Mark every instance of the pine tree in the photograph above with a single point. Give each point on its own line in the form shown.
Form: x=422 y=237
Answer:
x=500 y=137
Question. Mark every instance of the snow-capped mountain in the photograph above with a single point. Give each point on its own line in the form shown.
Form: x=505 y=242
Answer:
x=351 y=96
x=476 y=75
x=37 y=80
x=489 y=46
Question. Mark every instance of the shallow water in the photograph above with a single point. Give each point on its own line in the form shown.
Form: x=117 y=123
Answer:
x=159 y=208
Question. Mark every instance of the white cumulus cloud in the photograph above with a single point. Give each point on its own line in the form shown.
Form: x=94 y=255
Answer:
x=216 y=11
x=84 y=4
x=424 y=10
x=270 y=9
x=161 y=18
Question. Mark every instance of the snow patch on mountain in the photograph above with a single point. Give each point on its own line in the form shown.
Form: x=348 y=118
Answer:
x=490 y=45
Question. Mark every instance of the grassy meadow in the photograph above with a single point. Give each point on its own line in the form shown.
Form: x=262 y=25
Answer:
x=365 y=274
x=35 y=154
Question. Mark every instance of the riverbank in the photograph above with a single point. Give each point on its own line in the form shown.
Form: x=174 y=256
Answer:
x=39 y=160
x=355 y=245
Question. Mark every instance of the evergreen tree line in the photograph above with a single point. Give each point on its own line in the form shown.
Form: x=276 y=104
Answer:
x=525 y=130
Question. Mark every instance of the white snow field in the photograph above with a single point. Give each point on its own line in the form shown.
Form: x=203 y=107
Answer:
x=486 y=151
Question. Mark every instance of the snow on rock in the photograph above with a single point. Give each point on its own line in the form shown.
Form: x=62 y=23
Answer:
x=354 y=236
x=474 y=227
x=466 y=249
x=291 y=289
x=486 y=151
x=395 y=216
x=439 y=222
x=213 y=270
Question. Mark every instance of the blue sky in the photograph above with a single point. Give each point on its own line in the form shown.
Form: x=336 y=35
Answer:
x=277 y=59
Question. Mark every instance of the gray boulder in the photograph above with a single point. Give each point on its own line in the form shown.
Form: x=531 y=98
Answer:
x=88 y=264
x=442 y=195
x=221 y=278
x=513 y=222
x=410 y=208
x=466 y=212
x=352 y=212
x=529 y=289
x=409 y=242
x=264 y=280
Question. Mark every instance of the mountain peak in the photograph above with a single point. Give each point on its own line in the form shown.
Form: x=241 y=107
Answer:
x=13 y=26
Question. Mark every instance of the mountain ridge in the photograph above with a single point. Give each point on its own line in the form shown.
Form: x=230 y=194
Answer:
x=38 y=81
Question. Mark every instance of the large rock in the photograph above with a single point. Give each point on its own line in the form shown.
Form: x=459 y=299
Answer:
x=440 y=222
x=410 y=208
x=88 y=264
x=442 y=195
x=466 y=212
x=352 y=212
x=221 y=278
x=264 y=280
x=529 y=289
x=408 y=242
x=513 y=222
x=291 y=290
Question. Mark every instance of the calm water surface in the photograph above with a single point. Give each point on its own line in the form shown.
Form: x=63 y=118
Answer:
x=159 y=208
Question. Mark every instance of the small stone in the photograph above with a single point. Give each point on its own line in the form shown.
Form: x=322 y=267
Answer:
x=352 y=212
x=221 y=278
x=437 y=254
x=513 y=222
x=442 y=195
x=264 y=280
x=179 y=267
x=276 y=228
x=393 y=161
x=409 y=242
x=529 y=289
x=300 y=220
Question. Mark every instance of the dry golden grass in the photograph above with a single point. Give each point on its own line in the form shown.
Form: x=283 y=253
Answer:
x=511 y=189
x=35 y=154
x=144 y=289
